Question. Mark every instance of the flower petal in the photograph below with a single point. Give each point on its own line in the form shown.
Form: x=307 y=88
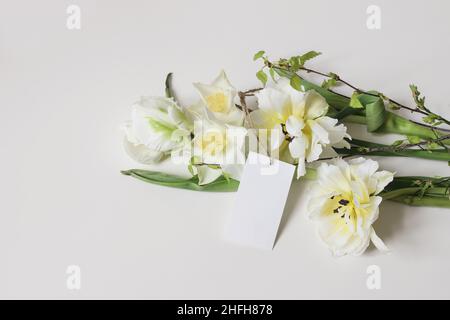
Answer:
x=379 y=244
x=332 y=180
x=222 y=81
x=316 y=105
x=265 y=119
x=215 y=98
x=274 y=100
x=383 y=178
x=294 y=126
x=297 y=147
x=233 y=170
x=301 y=167
x=207 y=175
x=336 y=133
x=141 y=153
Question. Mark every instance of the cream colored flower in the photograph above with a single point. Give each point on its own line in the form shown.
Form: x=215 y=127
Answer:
x=218 y=98
x=218 y=149
x=307 y=131
x=344 y=203
x=157 y=127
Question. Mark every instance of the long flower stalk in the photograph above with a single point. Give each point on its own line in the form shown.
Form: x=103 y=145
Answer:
x=361 y=147
x=415 y=191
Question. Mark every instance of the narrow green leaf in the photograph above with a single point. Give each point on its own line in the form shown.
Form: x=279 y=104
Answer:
x=308 y=56
x=397 y=143
x=220 y=185
x=414 y=139
x=262 y=76
x=355 y=102
x=169 y=93
x=258 y=55
x=272 y=74
x=294 y=63
x=329 y=83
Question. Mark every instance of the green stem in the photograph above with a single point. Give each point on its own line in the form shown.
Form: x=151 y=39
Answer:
x=423 y=201
x=399 y=125
x=399 y=192
x=441 y=155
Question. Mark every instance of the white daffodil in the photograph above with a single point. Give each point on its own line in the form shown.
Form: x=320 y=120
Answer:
x=218 y=98
x=306 y=130
x=218 y=149
x=344 y=203
x=158 y=126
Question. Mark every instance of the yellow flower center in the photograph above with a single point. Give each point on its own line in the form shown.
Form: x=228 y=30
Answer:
x=213 y=143
x=345 y=210
x=217 y=102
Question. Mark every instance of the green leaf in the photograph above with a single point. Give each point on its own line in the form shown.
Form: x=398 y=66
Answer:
x=262 y=76
x=294 y=63
x=169 y=93
x=397 y=143
x=296 y=83
x=308 y=56
x=393 y=106
x=283 y=73
x=354 y=101
x=375 y=115
x=272 y=74
x=414 y=139
x=258 y=55
x=418 y=99
x=222 y=184
x=432 y=145
x=329 y=83
x=333 y=75
x=430 y=119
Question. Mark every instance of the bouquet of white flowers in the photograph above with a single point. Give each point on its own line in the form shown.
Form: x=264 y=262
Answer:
x=303 y=123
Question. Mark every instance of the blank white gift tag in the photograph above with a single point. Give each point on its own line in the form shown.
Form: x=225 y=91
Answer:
x=260 y=201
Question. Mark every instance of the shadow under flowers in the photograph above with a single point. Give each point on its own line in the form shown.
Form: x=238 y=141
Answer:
x=391 y=221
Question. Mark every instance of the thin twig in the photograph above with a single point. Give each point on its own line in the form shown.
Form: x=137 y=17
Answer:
x=425 y=112
x=407 y=146
x=245 y=108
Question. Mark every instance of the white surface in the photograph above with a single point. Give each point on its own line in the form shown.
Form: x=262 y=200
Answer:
x=259 y=202
x=64 y=93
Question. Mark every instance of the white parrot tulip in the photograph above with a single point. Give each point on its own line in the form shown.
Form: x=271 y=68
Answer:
x=158 y=126
x=218 y=149
x=344 y=203
x=218 y=98
x=307 y=131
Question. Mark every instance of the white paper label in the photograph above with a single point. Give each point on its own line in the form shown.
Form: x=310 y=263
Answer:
x=260 y=202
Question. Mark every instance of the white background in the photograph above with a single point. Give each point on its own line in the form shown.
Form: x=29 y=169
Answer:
x=63 y=95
